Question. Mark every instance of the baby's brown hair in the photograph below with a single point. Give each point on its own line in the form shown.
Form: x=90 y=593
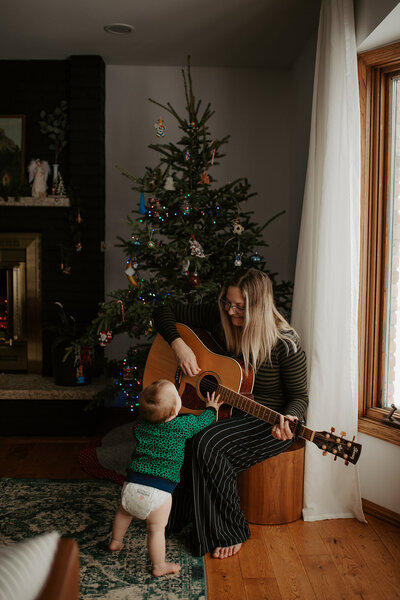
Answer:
x=154 y=405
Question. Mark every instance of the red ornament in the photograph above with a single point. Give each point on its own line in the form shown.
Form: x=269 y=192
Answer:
x=194 y=280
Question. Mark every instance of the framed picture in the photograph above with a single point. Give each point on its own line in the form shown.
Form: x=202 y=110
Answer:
x=12 y=150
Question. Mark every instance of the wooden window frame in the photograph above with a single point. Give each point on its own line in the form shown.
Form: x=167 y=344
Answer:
x=376 y=69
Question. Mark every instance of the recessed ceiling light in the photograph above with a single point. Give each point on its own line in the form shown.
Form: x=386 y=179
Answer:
x=119 y=28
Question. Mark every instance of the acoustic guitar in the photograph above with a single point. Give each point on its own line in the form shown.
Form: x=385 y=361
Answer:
x=226 y=376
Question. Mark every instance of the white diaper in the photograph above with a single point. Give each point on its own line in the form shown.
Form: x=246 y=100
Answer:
x=140 y=500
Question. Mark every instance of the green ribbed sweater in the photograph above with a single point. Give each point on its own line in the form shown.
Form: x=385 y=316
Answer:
x=280 y=384
x=160 y=448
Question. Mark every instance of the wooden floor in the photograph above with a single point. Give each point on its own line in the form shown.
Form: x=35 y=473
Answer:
x=336 y=559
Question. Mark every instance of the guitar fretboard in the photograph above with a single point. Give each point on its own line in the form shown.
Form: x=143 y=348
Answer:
x=260 y=411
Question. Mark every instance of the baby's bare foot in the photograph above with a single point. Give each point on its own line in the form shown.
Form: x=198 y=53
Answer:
x=165 y=569
x=116 y=545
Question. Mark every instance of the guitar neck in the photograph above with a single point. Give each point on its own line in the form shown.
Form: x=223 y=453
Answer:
x=262 y=412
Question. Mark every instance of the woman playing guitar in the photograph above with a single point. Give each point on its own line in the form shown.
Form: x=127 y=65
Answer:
x=247 y=324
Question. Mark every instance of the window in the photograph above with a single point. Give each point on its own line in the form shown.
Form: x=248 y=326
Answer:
x=379 y=315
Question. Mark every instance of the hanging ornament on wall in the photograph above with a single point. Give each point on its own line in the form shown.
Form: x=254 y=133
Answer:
x=142 y=206
x=255 y=258
x=187 y=155
x=160 y=128
x=169 y=184
x=191 y=125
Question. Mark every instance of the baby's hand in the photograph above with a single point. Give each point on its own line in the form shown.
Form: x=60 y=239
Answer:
x=213 y=401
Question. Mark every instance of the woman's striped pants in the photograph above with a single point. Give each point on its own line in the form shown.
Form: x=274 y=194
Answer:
x=207 y=495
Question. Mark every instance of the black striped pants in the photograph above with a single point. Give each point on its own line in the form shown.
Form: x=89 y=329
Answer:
x=207 y=495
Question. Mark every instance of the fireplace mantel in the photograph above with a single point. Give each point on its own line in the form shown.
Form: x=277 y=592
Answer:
x=49 y=201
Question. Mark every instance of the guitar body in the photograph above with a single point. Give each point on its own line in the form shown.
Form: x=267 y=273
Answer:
x=216 y=369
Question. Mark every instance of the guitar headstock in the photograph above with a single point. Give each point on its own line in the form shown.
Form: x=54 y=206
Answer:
x=338 y=446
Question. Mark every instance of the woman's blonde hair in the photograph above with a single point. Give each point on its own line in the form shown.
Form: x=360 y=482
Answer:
x=263 y=324
x=156 y=404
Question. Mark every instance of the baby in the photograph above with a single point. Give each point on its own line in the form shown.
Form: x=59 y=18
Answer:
x=154 y=470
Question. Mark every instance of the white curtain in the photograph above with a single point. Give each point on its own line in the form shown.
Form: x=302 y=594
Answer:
x=327 y=270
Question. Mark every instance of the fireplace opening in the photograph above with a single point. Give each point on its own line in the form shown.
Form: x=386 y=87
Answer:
x=20 y=303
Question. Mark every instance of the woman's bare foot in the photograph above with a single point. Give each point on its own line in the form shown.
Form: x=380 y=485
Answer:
x=165 y=569
x=227 y=551
x=116 y=545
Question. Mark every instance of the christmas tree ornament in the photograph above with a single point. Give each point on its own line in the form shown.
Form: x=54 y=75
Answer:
x=195 y=248
x=194 y=280
x=185 y=266
x=187 y=155
x=212 y=153
x=78 y=247
x=122 y=309
x=237 y=227
x=160 y=128
x=238 y=260
x=205 y=178
x=169 y=184
x=129 y=272
x=154 y=207
x=105 y=337
x=151 y=243
x=142 y=206
x=255 y=258
x=127 y=371
x=186 y=206
x=192 y=125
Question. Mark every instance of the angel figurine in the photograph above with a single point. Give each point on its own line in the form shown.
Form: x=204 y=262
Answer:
x=39 y=171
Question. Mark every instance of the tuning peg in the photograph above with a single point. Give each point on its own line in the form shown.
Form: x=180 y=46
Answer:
x=335 y=458
x=338 y=440
x=343 y=434
x=324 y=446
x=346 y=462
x=332 y=429
x=348 y=444
x=345 y=456
x=324 y=453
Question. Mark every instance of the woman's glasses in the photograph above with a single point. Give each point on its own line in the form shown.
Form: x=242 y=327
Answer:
x=237 y=308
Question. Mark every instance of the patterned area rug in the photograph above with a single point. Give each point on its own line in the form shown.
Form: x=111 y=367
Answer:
x=84 y=510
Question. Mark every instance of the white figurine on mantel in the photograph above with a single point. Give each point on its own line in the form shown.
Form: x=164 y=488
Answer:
x=39 y=171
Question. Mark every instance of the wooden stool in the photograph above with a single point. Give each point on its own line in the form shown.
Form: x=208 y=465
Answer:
x=271 y=492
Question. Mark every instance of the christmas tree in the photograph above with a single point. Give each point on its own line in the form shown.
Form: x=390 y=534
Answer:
x=187 y=235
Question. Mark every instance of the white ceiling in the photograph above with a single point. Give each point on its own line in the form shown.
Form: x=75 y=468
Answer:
x=220 y=33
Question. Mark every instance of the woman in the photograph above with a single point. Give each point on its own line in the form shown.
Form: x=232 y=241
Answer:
x=247 y=323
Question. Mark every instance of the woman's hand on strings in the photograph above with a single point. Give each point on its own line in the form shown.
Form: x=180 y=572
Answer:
x=282 y=431
x=185 y=357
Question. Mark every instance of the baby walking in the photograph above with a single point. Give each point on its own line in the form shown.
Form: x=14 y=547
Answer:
x=154 y=470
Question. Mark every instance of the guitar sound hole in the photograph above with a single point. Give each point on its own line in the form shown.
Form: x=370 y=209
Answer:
x=209 y=383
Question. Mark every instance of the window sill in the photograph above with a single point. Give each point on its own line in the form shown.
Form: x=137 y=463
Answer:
x=372 y=425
